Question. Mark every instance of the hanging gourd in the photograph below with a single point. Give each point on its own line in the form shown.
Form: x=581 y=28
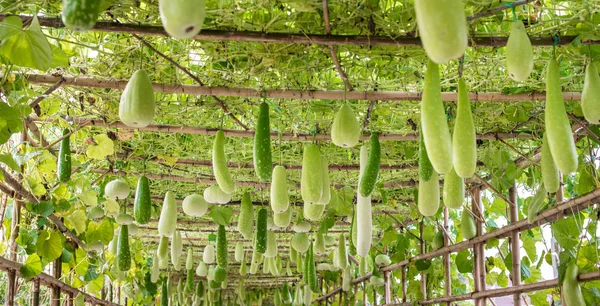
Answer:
x=519 y=53
x=136 y=108
x=182 y=18
x=464 y=142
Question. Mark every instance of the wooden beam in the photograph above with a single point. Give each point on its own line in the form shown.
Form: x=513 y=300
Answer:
x=515 y=244
x=295 y=38
x=339 y=95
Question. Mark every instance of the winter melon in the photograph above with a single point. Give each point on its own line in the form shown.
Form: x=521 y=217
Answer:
x=570 y=288
x=202 y=269
x=438 y=240
x=80 y=15
x=215 y=195
x=243 y=266
x=221 y=246
x=263 y=164
x=124 y=219
x=371 y=170
x=189 y=261
x=364 y=225
x=136 y=108
x=176 y=248
x=123 y=252
x=467 y=225
x=301 y=227
x=283 y=219
x=220 y=274
x=464 y=142
x=590 y=97
x=345 y=131
x=163 y=247
x=342 y=258
x=292 y=253
x=519 y=53
x=550 y=174
x=319 y=247
x=271 y=251
x=260 y=241
x=63 y=165
x=182 y=19
x=194 y=205
x=116 y=189
x=221 y=172
x=96 y=212
x=164 y=294
x=443 y=28
x=326 y=193
x=208 y=256
x=246 y=217
x=189 y=282
x=142 y=204
x=313 y=212
x=454 y=190
x=346 y=280
x=300 y=242
x=168 y=216
x=155 y=271
x=558 y=129
x=425 y=167
x=433 y=120
x=280 y=199
x=382 y=260
x=429 y=195
x=239 y=251
x=311 y=185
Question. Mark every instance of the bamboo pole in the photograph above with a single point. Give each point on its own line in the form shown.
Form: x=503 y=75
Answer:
x=56 y=273
x=477 y=287
x=515 y=243
x=403 y=280
x=338 y=95
x=423 y=275
x=295 y=38
x=11 y=281
x=480 y=262
x=447 y=277
x=35 y=293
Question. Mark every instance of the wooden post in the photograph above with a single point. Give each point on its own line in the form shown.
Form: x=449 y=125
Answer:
x=35 y=293
x=481 y=246
x=447 y=280
x=476 y=193
x=423 y=276
x=515 y=243
x=56 y=273
x=403 y=280
x=11 y=283
x=387 y=293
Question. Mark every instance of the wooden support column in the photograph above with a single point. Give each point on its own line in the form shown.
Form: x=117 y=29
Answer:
x=475 y=197
x=387 y=293
x=515 y=243
x=56 y=273
x=35 y=293
x=11 y=282
x=447 y=285
x=403 y=280
x=423 y=275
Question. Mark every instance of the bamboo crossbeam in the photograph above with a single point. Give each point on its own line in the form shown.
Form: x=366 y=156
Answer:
x=492 y=293
x=340 y=95
x=296 y=38
x=48 y=280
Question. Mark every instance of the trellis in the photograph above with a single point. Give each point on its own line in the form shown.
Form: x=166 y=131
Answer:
x=564 y=208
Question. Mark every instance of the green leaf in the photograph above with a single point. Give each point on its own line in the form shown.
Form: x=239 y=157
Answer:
x=464 y=262
x=76 y=220
x=44 y=208
x=102 y=232
x=525 y=269
x=327 y=223
x=59 y=57
x=10 y=122
x=27 y=48
x=221 y=215
x=104 y=147
x=566 y=232
x=502 y=280
x=32 y=267
x=422 y=264
x=8 y=160
x=27 y=240
x=94 y=286
x=89 y=198
x=50 y=245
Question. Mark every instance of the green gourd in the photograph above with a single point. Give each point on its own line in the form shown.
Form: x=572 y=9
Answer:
x=243 y=266
x=570 y=288
x=220 y=274
x=590 y=97
x=189 y=261
x=164 y=294
x=464 y=142
x=283 y=219
x=221 y=246
x=319 y=246
x=202 y=269
x=123 y=252
x=311 y=185
x=168 y=216
x=124 y=219
x=519 y=53
x=467 y=225
x=300 y=242
x=155 y=271
x=454 y=190
x=116 y=189
x=364 y=225
x=342 y=258
x=189 y=281
x=80 y=15
x=352 y=237
x=425 y=167
x=280 y=199
x=313 y=212
x=239 y=251
x=326 y=193
x=307 y=295
x=382 y=260
x=433 y=120
x=195 y=205
x=263 y=163
x=64 y=158
x=271 y=251
x=443 y=28
x=429 y=195
x=176 y=248
x=550 y=173
x=345 y=131
x=346 y=280
x=182 y=19
x=260 y=243
x=214 y=195
x=163 y=247
x=558 y=129
x=438 y=240
x=371 y=169
x=311 y=269
x=142 y=205
x=208 y=256
x=221 y=172
x=136 y=108
x=293 y=253
x=246 y=217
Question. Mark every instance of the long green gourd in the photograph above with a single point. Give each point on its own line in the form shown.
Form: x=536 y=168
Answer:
x=311 y=184
x=425 y=167
x=364 y=218
x=263 y=164
x=64 y=158
x=168 y=216
x=371 y=170
x=326 y=193
x=558 y=129
x=590 y=97
x=443 y=28
x=283 y=219
x=163 y=247
x=464 y=142
x=519 y=53
x=428 y=200
x=164 y=294
x=467 y=225
x=246 y=217
x=123 y=252
x=137 y=104
x=342 y=253
x=570 y=287
x=221 y=246
x=433 y=122
x=454 y=190
x=222 y=175
x=280 y=199
x=260 y=243
x=550 y=174
x=176 y=248
x=80 y=15
x=142 y=204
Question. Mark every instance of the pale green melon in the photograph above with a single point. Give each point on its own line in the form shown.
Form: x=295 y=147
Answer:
x=182 y=18
x=280 y=199
x=313 y=212
x=194 y=205
x=116 y=189
x=214 y=195
x=136 y=108
x=519 y=53
x=345 y=131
